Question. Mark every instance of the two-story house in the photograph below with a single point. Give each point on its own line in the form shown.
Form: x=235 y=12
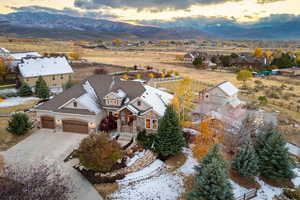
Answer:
x=134 y=105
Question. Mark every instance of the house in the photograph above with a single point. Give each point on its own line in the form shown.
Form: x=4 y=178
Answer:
x=56 y=71
x=134 y=106
x=294 y=71
x=221 y=102
x=16 y=58
x=191 y=56
x=4 y=52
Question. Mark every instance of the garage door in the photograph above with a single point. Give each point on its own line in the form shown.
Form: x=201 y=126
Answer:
x=48 y=122
x=75 y=126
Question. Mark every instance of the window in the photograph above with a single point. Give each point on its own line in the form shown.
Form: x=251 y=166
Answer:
x=61 y=76
x=148 y=123
x=154 y=123
x=75 y=104
x=151 y=124
x=53 y=78
x=139 y=103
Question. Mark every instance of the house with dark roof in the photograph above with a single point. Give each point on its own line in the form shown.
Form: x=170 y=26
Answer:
x=80 y=109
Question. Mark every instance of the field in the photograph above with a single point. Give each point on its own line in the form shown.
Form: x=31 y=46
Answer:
x=167 y=58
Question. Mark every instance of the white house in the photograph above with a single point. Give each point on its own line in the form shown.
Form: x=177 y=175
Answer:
x=16 y=58
x=56 y=71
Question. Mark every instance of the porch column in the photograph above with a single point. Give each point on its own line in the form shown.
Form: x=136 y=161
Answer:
x=134 y=126
x=119 y=124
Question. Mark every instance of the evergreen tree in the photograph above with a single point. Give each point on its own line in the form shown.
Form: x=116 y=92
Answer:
x=169 y=140
x=273 y=155
x=212 y=180
x=41 y=88
x=19 y=124
x=246 y=161
x=25 y=90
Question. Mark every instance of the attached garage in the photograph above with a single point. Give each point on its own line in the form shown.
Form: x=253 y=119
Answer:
x=48 y=122
x=75 y=126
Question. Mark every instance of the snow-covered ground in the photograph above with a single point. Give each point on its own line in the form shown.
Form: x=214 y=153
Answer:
x=293 y=149
x=8 y=91
x=157 y=183
x=136 y=157
x=14 y=101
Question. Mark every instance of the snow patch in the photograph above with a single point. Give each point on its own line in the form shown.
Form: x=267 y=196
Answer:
x=8 y=91
x=188 y=167
x=14 y=101
x=266 y=192
x=296 y=181
x=135 y=158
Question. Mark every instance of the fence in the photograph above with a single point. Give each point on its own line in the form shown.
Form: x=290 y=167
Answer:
x=249 y=195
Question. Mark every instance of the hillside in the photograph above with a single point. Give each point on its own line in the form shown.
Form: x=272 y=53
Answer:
x=45 y=25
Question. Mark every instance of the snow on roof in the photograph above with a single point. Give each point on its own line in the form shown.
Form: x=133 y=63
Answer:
x=228 y=88
x=4 y=50
x=121 y=93
x=157 y=99
x=19 y=56
x=33 y=67
x=132 y=109
x=87 y=101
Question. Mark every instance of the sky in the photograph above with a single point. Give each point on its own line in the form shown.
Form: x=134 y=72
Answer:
x=241 y=11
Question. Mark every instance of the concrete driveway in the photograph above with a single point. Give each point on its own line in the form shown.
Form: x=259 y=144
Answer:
x=52 y=148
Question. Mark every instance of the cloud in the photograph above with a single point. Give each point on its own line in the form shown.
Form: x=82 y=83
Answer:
x=65 y=11
x=152 y=4
x=145 y=4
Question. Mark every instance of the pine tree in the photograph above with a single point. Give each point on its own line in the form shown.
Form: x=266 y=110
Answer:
x=246 y=161
x=273 y=155
x=169 y=139
x=41 y=88
x=25 y=90
x=19 y=124
x=212 y=181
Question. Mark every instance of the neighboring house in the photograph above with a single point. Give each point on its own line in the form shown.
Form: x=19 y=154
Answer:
x=294 y=71
x=249 y=62
x=191 y=56
x=221 y=102
x=134 y=105
x=56 y=71
x=4 y=52
x=16 y=58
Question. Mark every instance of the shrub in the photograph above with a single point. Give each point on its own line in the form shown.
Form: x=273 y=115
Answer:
x=99 y=71
x=99 y=153
x=69 y=84
x=19 y=124
x=25 y=90
x=263 y=100
x=293 y=194
x=145 y=140
x=108 y=124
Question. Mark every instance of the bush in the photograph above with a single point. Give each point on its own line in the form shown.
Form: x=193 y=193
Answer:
x=25 y=90
x=108 y=124
x=69 y=84
x=293 y=194
x=263 y=100
x=19 y=124
x=99 y=153
x=99 y=71
x=145 y=140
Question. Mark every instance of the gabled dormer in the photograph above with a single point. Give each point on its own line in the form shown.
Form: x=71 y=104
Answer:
x=115 y=98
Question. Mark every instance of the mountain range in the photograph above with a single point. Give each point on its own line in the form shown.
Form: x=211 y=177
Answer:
x=65 y=27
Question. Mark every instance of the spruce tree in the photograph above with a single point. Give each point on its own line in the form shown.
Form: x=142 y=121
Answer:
x=25 y=90
x=275 y=162
x=212 y=180
x=246 y=161
x=41 y=88
x=19 y=124
x=169 y=140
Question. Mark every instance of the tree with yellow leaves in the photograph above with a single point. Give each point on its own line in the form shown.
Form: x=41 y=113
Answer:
x=74 y=56
x=125 y=77
x=258 y=52
x=183 y=98
x=3 y=69
x=212 y=133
